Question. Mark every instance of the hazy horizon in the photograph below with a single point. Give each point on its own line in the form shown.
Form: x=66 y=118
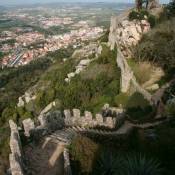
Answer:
x=22 y=2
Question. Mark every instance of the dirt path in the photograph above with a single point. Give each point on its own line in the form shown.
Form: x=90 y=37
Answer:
x=46 y=158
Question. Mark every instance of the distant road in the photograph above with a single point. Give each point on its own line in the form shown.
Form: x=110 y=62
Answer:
x=17 y=59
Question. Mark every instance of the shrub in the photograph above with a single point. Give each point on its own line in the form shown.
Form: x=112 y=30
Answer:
x=157 y=46
x=104 y=38
x=121 y=99
x=131 y=164
x=141 y=165
x=107 y=56
x=143 y=14
x=152 y=20
x=170 y=110
x=168 y=95
x=135 y=15
x=138 y=107
x=170 y=8
x=83 y=154
x=137 y=100
x=108 y=164
x=142 y=70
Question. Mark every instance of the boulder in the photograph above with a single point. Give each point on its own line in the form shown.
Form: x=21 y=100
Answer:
x=20 y=102
x=71 y=75
x=85 y=62
x=28 y=125
x=125 y=33
x=153 y=87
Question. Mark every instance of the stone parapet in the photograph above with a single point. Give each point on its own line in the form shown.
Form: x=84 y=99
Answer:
x=87 y=120
x=67 y=167
x=15 y=158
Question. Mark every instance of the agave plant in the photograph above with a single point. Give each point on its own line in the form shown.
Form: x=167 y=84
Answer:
x=132 y=164
x=108 y=164
x=138 y=164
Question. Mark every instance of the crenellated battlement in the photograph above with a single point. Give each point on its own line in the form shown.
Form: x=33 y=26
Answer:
x=74 y=118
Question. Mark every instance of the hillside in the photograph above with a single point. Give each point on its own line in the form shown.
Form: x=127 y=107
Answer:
x=108 y=104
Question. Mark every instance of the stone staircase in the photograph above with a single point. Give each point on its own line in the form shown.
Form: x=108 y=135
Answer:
x=64 y=136
x=68 y=133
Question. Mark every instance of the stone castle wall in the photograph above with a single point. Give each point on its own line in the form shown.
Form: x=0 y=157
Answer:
x=127 y=77
x=57 y=120
x=16 y=155
x=125 y=34
x=67 y=166
x=74 y=118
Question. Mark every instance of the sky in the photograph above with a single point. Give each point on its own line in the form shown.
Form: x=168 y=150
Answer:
x=14 y=2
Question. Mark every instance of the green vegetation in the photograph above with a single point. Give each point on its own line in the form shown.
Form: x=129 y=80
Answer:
x=121 y=99
x=160 y=145
x=8 y=24
x=95 y=86
x=91 y=158
x=157 y=46
x=13 y=83
x=1 y=55
x=170 y=108
x=140 y=69
x=151 y=148
x=138 y=108
x=138 y=15
x=104 y=38
x=143 y=15
x=10 y=42
x=83 y=152
x=169 y=10
x=169 y=101
x=132 y=164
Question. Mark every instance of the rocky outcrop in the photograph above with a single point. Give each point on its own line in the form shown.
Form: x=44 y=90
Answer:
x=16 y=156
x=152 y=4
x=126 y=33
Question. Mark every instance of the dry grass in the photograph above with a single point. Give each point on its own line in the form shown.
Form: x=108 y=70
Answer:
x=146 y=73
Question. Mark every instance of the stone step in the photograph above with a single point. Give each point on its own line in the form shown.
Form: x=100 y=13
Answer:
x=59 y=138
